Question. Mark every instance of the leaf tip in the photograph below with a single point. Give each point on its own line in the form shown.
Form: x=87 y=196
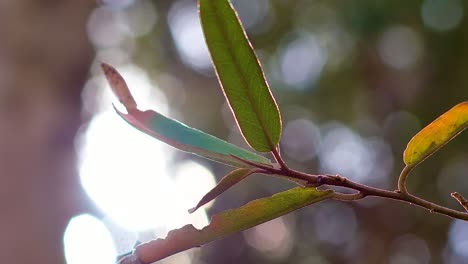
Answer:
x=202 y=202
x=119 y=86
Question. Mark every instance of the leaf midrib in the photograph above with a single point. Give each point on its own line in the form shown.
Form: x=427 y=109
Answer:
x=239 y=69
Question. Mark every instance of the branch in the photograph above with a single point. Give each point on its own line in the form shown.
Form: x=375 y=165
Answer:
x=336 y=180
x=277 y=155
x=281 y=172
x=402 y=179
x=400 y=195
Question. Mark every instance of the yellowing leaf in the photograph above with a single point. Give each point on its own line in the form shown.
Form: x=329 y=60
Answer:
x=230 y=222
x=436 y=134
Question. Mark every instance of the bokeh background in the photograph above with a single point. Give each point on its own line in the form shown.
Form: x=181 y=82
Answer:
x=355 y=80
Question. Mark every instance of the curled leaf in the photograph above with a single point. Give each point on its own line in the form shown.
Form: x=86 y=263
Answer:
x=436 y=135
x=175 y=133
x=230 y=222
x=119 y=87
x=241 y=76
x=225 y=183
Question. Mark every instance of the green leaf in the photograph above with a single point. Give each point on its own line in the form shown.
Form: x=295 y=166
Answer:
x=175 y=133
x=240 y=75
x=436 y=135
x=230 y=222
x=226 y=182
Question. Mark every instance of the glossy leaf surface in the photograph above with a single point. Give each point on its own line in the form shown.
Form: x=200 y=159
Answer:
x=436 y=134
x=175 y=133
x=240 y=75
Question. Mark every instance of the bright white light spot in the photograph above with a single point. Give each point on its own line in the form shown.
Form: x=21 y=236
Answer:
x=273 y=239
x=323 y=20
x=105 y=29
x=125 y=173
x=344 y=151
x=117 y=24
x=301 y=138
x=140 y=17
x=458 y=238
x=187 y=33
x=302 y=61
x=123 y=170
x=124 y=240
x=442 y=15
x=113 y=56
x=364 y=160
x=194 y=181
x=400 y=47
x=87 y=240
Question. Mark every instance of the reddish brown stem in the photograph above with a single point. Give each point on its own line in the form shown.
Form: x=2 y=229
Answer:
x=277 y=155
x=336 y=180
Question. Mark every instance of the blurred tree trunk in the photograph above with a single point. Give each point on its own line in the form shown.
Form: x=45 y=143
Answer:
x=44 y=61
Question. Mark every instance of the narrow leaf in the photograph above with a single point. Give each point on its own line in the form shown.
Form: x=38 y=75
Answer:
x=240 y=75
x=436 y=134
x=225 y=183
x=230 y=222
x=175 y=133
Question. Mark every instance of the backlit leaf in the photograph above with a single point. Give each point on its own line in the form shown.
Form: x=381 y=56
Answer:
x=175 y=133
x=436 y=134
x=225 y=183
x=230 y=222
x=240 y=75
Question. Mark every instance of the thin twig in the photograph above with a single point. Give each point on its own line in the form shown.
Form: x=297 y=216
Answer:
x=372 y=191
x=402 y=179
x=272 y=171
x=401 y=195
x=277 y=155
x=463 y=202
